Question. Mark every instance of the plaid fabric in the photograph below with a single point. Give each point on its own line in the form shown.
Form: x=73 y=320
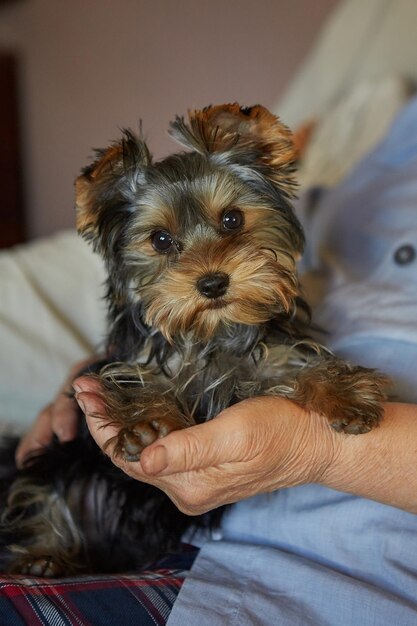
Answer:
x=138 y=599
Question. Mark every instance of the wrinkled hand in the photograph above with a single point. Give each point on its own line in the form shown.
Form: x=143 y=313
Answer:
x=256 y=446
x=59 y=418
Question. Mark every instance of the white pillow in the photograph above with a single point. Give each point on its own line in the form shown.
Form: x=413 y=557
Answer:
x=52 y=313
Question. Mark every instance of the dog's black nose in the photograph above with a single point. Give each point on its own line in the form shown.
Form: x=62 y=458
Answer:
x=213 y=285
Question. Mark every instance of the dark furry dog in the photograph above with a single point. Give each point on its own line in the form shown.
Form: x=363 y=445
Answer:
x=205 y=310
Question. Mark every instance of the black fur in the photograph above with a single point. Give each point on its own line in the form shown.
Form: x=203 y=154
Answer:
x=127 y=524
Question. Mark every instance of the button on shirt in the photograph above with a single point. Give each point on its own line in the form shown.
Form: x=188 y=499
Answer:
x=405 y=254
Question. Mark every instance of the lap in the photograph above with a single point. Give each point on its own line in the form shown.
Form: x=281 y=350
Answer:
x=97 y=600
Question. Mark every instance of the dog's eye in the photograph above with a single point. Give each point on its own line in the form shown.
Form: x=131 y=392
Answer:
x=232 y=219
x=162 y=241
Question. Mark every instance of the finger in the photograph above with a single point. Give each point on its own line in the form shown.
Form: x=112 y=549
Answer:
x=104 y=432
x=91 y=404
x=39 y=436
x=194 y=448
x=87 y=383
x=65 y=417
x=95 y=414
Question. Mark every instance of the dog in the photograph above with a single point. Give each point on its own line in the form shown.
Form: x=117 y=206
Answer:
x=205 y=309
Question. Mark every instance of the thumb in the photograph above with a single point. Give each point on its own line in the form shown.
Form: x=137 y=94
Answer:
x=191 y=449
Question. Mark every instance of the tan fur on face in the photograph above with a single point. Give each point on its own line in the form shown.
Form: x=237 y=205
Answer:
x=259 y=288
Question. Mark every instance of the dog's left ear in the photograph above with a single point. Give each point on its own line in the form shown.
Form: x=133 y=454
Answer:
x=105 y=190
x=249 y=135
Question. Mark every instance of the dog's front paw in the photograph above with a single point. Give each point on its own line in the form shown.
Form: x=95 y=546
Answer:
x=351 y=397
x=131 y=441
x=359 y=404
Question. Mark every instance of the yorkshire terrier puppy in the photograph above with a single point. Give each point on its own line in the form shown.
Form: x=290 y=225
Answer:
x=205 y=309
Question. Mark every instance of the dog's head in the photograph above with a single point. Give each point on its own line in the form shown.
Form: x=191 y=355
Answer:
x=203 y=238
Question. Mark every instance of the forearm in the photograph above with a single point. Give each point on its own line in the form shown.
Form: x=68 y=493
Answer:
x=382 y=464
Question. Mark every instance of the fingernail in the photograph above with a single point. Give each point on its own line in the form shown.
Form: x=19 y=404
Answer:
x=76 y=387
x=158 y=460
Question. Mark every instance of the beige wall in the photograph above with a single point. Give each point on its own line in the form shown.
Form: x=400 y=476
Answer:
x=89 y=67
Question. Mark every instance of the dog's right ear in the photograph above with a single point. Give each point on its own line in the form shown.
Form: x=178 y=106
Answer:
x=106 y=189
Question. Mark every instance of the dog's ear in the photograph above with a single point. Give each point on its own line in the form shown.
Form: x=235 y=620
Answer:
x=248 y=135
x=105 y=190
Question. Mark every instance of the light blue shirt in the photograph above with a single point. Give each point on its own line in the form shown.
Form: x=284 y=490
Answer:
x=310 y=555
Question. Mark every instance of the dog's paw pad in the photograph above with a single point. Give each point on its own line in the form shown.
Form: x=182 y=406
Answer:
x=132 y=441
x=44 y=567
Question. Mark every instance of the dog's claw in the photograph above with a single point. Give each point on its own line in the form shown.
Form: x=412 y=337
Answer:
x=44 y=567
x=357 y=427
